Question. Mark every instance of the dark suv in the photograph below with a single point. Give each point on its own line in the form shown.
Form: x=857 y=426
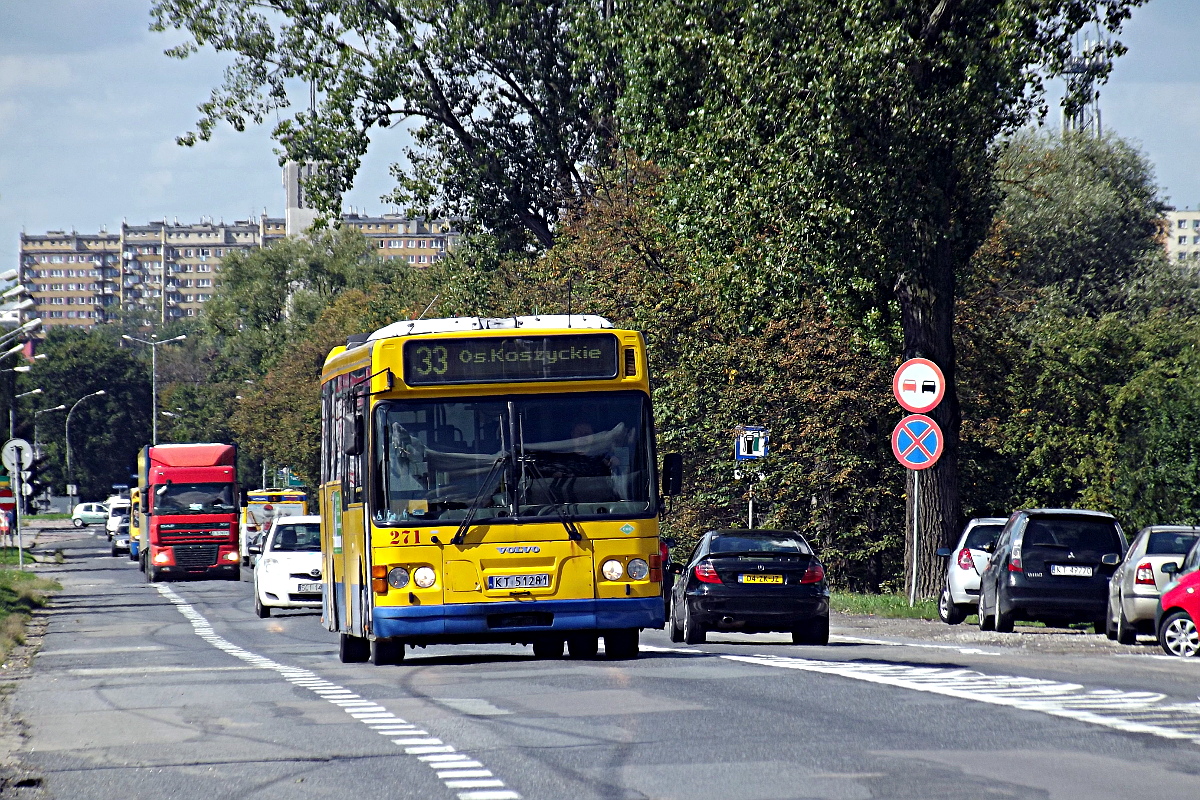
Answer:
x=1051 y=565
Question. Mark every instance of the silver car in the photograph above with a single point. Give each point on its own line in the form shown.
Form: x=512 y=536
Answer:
x=960 y=598
x=1139 y=581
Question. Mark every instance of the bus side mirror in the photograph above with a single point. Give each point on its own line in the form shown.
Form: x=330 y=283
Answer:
x=672 y=474
x=352 y=436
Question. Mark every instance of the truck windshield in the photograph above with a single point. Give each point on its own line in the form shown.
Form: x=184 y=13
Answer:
x=194 y=498
x=578 y=455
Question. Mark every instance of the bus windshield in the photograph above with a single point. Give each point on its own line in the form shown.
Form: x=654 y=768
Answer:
x=533 y=458
x=194 y=498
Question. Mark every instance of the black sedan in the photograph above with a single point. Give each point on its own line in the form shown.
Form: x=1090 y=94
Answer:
x=751 y=581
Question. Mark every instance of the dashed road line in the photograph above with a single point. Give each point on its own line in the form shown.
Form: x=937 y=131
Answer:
x=1132 y=712
x=967 y=651
x=445 y=759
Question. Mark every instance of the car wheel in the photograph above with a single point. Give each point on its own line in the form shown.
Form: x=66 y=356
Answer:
x=1126 y=633
x=693 y=632
x=676 y=630
x=260 y=611
x=985 y=616
x=621 y=645
x=387 y=652
x=1178 y=635
x=583 y=645
x=1002 y=622
x=78 y=523
x=948 y=611
x=548 y=648
x=814 y=631
x=1110 y=627
x=353 y=649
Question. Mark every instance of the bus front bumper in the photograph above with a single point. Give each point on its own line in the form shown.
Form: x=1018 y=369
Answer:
x=497 y=621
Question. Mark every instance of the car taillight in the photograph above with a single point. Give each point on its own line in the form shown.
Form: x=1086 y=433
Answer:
x=1014 y=561
x=814 y=574
x=964 y=559
x=1145 y=574
x=706 y=574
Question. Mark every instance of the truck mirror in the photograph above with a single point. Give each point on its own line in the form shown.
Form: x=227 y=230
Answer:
x=352 y=436
x=672 y=474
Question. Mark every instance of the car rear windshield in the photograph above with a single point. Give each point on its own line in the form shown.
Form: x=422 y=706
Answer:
x=297 y=538
x=982 y=535
x=1083 y=536
x=1170 y=543
x=760 y=543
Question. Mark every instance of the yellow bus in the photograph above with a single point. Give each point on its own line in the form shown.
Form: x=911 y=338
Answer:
x=135 y=523
x=491 y=480
x=263 y=507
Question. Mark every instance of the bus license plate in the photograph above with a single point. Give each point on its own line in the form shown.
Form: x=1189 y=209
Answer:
x=1067 y=569
x=306 y=588
x=755 y=578
x=540 y=581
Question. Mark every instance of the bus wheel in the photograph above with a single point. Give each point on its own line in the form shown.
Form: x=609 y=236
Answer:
x=583 y=645
x=548 y=648
x=353 y=649
x=387 y=652
x=622 y=644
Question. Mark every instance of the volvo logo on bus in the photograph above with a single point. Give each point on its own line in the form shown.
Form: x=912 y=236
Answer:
x=524 y=549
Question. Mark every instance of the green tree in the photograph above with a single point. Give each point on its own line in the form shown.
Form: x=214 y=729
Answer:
x=508 y=100
x=863 y=165
x=106 y=431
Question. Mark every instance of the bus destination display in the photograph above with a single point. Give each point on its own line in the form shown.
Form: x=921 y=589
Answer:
x=510 y=359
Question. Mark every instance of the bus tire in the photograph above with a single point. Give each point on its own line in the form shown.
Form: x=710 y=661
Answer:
x=548 y=647
x=387 y=652
x=622 y=644
x=583 y=645
x=353 y=649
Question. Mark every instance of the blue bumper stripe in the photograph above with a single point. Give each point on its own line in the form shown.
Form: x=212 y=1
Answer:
x=472 y=618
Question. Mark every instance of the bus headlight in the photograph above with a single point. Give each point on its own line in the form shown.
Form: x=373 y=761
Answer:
x=424 y=577
x=638 y=569
x=612 y=570
x=397 y=577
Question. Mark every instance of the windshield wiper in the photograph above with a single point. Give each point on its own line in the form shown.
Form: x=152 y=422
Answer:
x=568 y=522
x=485 y=489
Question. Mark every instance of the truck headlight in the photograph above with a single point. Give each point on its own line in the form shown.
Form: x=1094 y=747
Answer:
x=612 y=570
x=424 y=577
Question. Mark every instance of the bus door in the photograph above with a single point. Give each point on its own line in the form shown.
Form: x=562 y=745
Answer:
x=347 y=557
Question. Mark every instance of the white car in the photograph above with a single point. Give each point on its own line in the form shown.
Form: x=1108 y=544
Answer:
x=960 y=597
x=287 y=573
x=118 y=510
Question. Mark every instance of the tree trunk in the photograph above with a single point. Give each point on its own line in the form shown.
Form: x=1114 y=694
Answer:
x=927 y=316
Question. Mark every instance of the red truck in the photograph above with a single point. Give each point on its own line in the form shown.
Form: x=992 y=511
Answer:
x=188 y=511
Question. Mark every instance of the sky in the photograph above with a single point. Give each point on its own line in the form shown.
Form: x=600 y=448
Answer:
x=90 y=108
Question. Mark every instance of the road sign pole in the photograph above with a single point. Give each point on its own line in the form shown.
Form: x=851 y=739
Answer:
x=916 y=476
x=18 y=496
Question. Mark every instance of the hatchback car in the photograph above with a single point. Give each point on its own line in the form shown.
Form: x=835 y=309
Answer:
x=89 y=514
x=118 y=510
x=751 y=581
x=1135 y=587
x=287 y=573
x=960 y=597
x=1051 y=565
x=120 y=541
x=1179 y=608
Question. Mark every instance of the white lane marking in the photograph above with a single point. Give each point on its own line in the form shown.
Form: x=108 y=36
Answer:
x=91 y=651
x=135 y=671
x=967 y=651
x=1133 y=712
x=653 y=649
x=471 y=706
x=432 y=751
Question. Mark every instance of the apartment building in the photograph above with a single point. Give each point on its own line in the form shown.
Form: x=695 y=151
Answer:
x=75 y=278
x=1182 y=234
x=420 y=242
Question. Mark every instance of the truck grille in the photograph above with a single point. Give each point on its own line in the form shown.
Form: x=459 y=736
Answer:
x=189 y=535
x=193 y=556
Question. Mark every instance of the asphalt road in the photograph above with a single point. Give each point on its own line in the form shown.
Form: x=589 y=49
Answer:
x=179 y=691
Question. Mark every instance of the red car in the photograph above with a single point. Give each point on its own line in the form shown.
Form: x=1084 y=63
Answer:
x=1179 y=608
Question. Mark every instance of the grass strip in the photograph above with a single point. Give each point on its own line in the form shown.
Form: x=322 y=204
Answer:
x=894 y=606
x=20 y=593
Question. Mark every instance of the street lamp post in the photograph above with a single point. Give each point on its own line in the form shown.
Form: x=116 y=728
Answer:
x=71 y=475
x=154 y=345
x=37 y=447
x=12 y=410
